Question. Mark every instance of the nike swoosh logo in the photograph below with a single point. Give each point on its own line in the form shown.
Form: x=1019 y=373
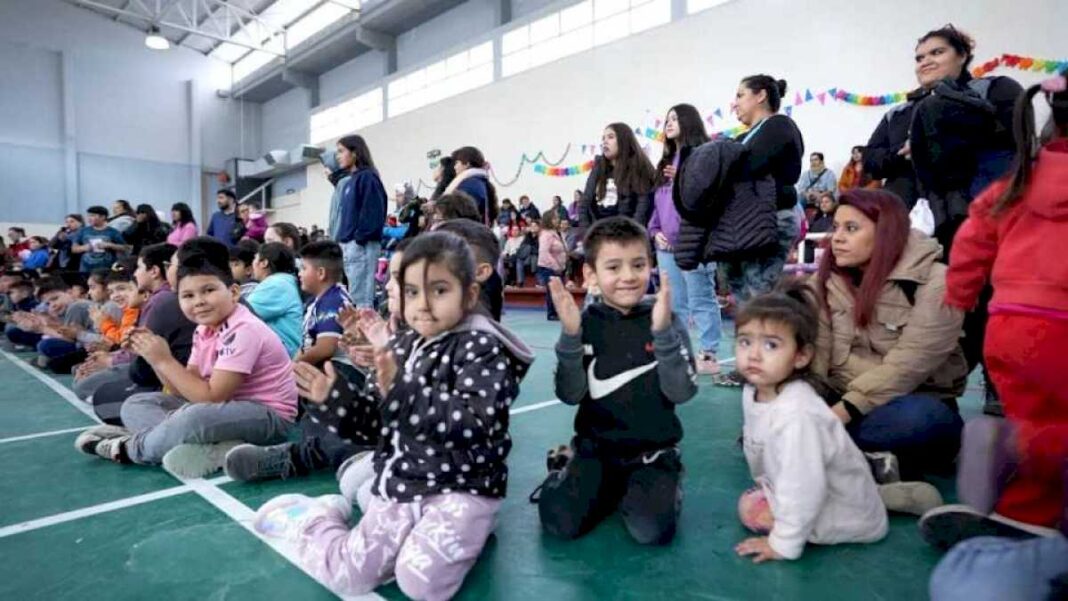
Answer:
x=602 y=388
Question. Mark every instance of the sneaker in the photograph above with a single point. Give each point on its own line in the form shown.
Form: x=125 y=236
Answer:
x=197 y=460
x=248 y=462
x=916 y=498
x=945 y=526
x=731 y=380
x=41 y=361
x=557 y=459
x=88 y=441
x=884 y=467
x=991 y=401
x=707 y=365
x=354 y=473
x=987 y=462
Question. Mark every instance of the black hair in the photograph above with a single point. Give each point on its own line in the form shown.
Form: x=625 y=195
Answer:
x=204 y=255
x=478 y=236
x=439 y=248
x=22 y=283
x=185 y=214
x=288 y=231
x=962 y=43
x=793 y=304
x=817 y=154
x=617 y=230
x=158 y=256
x=51 y=284
x=77 y=217
x=280 y=258
x=227 y=193
x=457 y=206
x=1027 y=140
x=474 y=157
x=97 y=210
x=448 y=173
x=152 y=219
x=126 y=208
x=326 y=254
x=361 y=153
x=774 y=88
x=122 y=270
x=244 y=251
x=40 y=240
x=98 y=275
x=632 y=170
x=15 y=228
x=691 y=134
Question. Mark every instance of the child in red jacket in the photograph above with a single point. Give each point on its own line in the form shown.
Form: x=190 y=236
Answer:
x=1017 y=235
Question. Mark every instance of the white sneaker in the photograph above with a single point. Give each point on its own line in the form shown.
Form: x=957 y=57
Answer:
x=198 y=460
x=916 y=498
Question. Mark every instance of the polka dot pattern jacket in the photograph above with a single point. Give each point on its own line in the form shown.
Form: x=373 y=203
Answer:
x=445 y=420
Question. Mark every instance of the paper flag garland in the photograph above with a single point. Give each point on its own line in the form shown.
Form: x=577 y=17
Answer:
x=563 y=171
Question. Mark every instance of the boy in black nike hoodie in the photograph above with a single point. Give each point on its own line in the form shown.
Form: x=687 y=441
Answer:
x=626 y=362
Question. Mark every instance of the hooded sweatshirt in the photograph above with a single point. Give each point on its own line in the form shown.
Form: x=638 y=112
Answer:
x=625 y=379
x=445 y=420
x=1020 y=251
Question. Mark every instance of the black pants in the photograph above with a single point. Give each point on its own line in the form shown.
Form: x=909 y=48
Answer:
x=646 y=490
x=319 y=449
x=108 y=399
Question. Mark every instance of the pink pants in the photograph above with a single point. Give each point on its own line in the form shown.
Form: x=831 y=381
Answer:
x=428 y=546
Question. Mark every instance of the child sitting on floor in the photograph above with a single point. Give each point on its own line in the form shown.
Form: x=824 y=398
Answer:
x=626 y=362
x=440 y=468
x=276 y=299
x=813 y=483
x=345 y=432
x=242 y=256
x=123 y=292
x=487 y=251
x=238 y=384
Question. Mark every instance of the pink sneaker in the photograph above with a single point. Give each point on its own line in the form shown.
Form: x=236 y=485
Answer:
x=707 y=365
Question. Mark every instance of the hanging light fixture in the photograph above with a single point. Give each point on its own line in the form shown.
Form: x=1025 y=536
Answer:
x=156 y=41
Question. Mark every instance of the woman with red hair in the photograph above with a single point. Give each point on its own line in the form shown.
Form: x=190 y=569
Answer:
x=887 y=343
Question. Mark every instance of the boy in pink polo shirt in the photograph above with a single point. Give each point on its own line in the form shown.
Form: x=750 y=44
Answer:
x=237 y=387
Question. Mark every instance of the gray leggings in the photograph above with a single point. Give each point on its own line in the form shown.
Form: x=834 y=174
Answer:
x=161 y=422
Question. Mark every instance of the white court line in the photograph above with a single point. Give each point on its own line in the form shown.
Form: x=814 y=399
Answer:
x=535 y=406
x=84 y=512
x=56 y=387
x=42 y=434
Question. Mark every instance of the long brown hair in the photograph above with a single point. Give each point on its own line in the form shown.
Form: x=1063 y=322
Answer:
x=691 y=133
x=891 y=236
x=632 y=170
x=1027 y=140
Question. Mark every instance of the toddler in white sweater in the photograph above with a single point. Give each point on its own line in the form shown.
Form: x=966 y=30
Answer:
x=813 y=483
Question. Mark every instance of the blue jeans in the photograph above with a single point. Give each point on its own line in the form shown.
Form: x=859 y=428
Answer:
x=20 y=337
x=755 y=277
x=703 y=305
x=361 y=263
x=543 y=274
x=921 y=430
x=55 y=347
x=991 y=569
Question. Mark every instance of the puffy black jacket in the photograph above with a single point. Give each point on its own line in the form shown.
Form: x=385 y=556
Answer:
x=636 y=205
x=725 y=217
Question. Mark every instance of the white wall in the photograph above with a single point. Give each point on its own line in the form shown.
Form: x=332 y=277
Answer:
x=863 y=47
x=133 y=116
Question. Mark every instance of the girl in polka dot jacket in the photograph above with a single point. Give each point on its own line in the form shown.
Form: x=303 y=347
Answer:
x=440 y=475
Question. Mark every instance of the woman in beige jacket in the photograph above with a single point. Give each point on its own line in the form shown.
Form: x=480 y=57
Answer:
x=887 y=343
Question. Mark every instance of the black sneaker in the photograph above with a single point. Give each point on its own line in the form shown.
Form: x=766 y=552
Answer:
x=884 y=467
x=556 y=459
x=945 y=526
x=249 y=462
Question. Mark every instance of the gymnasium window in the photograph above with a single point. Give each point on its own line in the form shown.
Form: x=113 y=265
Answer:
x=578 y=28
x=696 y=6
x=347 y=116
x=463 y=71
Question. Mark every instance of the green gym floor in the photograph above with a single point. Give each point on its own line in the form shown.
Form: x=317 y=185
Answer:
x=76 y=527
